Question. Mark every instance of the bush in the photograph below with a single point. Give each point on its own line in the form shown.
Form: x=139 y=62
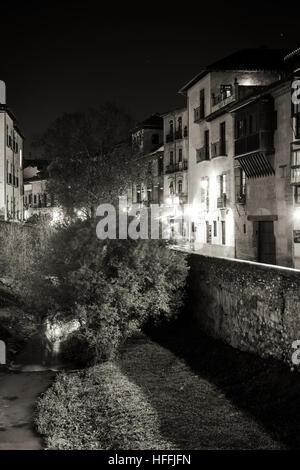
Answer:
x=111 y=287
x=99 y=408
x=22 y=246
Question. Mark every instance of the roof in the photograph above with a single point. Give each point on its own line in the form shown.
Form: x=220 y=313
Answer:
x=244 y=59
x=292 y=54
x=4 y=107
x=174 y=111
x=152 y=122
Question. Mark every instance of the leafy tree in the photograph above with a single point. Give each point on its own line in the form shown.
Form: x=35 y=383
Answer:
x=111 y=287
x=91 y=158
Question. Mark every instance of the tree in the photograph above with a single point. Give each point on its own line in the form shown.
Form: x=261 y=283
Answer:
x=91 y=158
x=110 y=287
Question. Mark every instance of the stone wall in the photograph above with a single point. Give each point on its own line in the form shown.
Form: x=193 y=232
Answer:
x=252 y=307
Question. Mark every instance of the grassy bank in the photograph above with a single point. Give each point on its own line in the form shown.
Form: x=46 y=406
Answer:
x=148 y=399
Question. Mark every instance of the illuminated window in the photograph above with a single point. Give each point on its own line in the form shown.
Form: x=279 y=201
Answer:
x=226 y=91
x=295 y=167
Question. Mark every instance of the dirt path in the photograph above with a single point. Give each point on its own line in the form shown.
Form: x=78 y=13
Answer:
x=18 y=392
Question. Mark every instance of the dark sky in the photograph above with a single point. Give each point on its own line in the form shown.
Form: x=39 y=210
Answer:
x=69 y=55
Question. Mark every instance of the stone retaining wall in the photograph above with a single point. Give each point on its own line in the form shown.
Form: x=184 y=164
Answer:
x=252 y=307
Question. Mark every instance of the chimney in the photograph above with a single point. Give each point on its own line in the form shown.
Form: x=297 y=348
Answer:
x=2 y=92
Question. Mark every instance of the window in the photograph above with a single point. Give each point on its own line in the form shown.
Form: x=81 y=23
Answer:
x=171 y=188
x=297 y=195
x=215 y=228
x=223 y=232
x=180 y=124
x=226 y=91
x=295 y=167
x=171 y=127
x=206 y=144
x=180 y=155
x=202 y=103
x=208 y=232
x=171 y=158
x=180 y=186
x=240 y=128
x=204 y=191
x=297 y=126
x=222 y=138
x=221 y=185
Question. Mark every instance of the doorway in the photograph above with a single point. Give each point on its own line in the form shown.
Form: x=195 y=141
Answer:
x=266 y=242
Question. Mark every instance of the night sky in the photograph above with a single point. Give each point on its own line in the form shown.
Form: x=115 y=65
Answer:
x=65 y=56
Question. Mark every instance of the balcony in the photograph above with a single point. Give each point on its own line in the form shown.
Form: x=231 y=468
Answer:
x=178 y=134
x=202 y=154
x=221 y=201
x=260 y=142
x=219 y=149
x=198 y=114
x=179 y=166
x=169 y=137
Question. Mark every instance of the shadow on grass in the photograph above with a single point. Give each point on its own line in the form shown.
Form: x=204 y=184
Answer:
x=263 y=388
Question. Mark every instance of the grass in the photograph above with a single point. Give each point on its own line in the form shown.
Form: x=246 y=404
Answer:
x=265 y=389
x=148 y=399
x=98 y=409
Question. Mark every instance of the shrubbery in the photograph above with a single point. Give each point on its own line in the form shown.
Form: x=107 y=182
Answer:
x=114 y=286
x=111 y=287
x=98 y=409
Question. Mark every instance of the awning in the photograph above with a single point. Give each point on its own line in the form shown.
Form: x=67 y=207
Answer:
x=256 y=164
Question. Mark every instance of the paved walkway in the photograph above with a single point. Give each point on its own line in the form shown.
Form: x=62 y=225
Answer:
x=18 y=393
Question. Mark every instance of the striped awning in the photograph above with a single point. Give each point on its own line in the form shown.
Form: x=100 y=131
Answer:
x=256 y=164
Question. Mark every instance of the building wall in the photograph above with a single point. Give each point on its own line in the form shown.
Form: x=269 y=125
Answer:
x=230 y=301
x=179 y=173
x=210 y=169
x=11 y=198
x=2 y=166
x=270 y=195
x=142 y=140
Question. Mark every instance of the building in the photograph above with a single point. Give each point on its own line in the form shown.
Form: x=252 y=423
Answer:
x=37 y=200
x=218 y=183
x=293 y=176
x=11 y=164
x=176 y=171
x=147 y=145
